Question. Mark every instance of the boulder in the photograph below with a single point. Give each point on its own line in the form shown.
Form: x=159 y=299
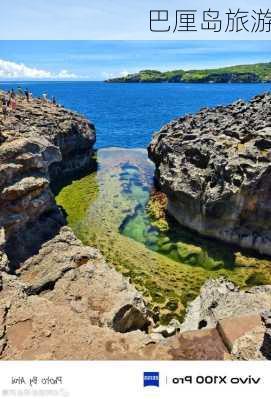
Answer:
x=66 y=271
x=241 y=317
x=215 y=169
x=220 y=299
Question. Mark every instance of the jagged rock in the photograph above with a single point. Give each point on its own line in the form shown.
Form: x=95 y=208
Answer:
x=220 y=299
x=41 y=145
x=236 y=315
x=199 y=345
x=66 y=271
x=215 y=169
x=68 y=292
x=234 y=328
x=64 y=301
x=172 y=328
x=4 y=266
x=63 y=296
x=250 y=347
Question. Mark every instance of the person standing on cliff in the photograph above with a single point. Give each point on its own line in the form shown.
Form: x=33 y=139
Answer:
x=8 y=98
x=45 y=97
x=20 y=91
x=13 y=102
x=4 y=107
x=27 y=95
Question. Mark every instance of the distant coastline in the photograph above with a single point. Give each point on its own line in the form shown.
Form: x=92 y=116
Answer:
x=250 y=73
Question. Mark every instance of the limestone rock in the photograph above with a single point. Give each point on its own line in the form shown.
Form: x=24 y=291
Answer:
x=41 y=145
x=198 y=345
x=63 y=301
x=240 y=317
x=172 y=328
x=220 y=299
x=233 y=328
x=66 y=271
x=215 y=169
x=67 y=303
x=3 y=257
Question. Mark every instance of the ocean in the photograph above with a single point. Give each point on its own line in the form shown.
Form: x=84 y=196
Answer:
x=126 y=115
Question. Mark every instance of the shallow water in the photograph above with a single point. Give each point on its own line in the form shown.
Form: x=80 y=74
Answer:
x=168 y=264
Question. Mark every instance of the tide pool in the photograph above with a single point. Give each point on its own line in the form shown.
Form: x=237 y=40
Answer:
x=113 y=209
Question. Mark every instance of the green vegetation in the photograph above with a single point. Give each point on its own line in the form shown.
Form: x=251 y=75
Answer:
x=84 y=191
x=167 y=267
x=235 y=74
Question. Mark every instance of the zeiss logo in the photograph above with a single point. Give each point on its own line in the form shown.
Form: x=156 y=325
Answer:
x=151 y=378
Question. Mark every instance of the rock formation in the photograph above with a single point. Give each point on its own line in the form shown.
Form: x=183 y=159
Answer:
x=66 y=302
x=215 y=169
x=242 y=318
x=50 y=282
x=59 y=299
x=40 y=144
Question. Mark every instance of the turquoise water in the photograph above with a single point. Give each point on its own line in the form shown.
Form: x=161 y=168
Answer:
x=109 y=210
x=126 y=115
x=178 y=243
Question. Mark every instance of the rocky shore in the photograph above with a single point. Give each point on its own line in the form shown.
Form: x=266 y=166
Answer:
x=59 y=299
x=214 y=167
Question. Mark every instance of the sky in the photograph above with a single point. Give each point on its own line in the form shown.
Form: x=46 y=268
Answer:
x=105 y=19
x=99 y=60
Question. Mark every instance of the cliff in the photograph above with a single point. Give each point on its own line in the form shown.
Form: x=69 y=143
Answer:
x=251 y=73
x=40 y=145
x=215 y=169
x=59 y=299
x=55 y=293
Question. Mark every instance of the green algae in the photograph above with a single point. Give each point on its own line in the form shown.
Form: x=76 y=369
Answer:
x=109 y=210
x=75 y=199
x=257 y=278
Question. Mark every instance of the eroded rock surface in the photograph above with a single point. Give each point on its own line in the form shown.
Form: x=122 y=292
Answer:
x=40 y=145
x=242 y=318
x=62 y=300
x=215 y=169
x=67 y=303
x=63 y=303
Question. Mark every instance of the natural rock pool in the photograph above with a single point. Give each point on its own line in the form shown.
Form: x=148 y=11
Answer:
x=119 y=210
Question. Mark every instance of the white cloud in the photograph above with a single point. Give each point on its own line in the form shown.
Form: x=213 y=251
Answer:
x=124 y=73
x=64 y=74
x=12 y=70
x=121 y=74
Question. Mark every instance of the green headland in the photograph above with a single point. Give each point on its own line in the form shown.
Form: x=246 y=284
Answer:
x=250 y=73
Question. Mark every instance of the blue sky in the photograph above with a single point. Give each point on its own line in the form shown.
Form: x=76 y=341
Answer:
x=103 y=19
x=98 y=60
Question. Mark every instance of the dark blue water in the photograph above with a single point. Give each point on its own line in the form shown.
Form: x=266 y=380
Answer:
x=126 y=115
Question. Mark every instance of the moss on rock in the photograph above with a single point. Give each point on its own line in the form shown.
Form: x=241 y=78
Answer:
x=97 y=206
